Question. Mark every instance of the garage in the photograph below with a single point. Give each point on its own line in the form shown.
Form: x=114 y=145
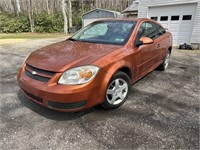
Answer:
x=180 y=17
x=96 y=14
x=179 y=23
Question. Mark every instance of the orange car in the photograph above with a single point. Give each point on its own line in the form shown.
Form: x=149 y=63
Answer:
x=97 y=65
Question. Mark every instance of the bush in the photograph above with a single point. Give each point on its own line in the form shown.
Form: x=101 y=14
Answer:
x=11 y=24
x=48 y=23
x=43 y=23
x=77 y=20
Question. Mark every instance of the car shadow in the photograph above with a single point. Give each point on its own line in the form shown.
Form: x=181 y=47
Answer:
x=49 y=113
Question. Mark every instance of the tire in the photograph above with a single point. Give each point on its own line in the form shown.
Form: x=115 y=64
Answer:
x=117 y=91
x=165 y=63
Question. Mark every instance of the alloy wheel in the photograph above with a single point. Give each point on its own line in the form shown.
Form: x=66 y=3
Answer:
x=117 y=91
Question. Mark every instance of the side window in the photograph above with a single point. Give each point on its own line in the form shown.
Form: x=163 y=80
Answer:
x=161 y=31
x=148 y=29
x=141 y=30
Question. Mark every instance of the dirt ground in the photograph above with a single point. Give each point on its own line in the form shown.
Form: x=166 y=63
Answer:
x=162 y=111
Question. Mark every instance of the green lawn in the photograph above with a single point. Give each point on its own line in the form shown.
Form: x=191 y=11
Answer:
x=31 y=35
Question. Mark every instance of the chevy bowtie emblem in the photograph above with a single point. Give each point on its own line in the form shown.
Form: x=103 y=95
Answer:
x=33 y=73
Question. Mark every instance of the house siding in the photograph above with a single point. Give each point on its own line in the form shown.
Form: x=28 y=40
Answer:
x=196 y=28
x=145 y=4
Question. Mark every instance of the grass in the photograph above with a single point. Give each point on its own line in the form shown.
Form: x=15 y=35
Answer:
x=31 y=35
x=12 y=38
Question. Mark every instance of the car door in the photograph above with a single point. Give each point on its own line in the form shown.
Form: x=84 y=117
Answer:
x=162 y=38
x=148 y=55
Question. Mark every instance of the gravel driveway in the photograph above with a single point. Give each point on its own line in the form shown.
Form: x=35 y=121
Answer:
x=162 y=111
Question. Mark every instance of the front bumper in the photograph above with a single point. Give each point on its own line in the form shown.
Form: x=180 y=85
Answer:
x=66 y=98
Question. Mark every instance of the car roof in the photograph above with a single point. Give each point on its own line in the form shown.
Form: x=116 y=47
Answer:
x=125 y=19
x=138 y=20
x=129 y=19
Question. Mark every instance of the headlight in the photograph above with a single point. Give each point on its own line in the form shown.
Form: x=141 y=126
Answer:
x=79 y=75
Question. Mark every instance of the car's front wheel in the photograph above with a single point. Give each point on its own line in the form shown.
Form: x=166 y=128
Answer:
x=117 y=91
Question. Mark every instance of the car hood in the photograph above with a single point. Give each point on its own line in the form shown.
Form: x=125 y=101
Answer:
x=66 y=54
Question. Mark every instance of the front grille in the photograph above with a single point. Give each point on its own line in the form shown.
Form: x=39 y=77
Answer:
x=51 y=73
x=36 y=77
x=43 y=76
x=39 y=99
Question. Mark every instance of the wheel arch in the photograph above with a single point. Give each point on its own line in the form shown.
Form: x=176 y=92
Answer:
x=170 y=49
x=122 y=66
x=126 y=70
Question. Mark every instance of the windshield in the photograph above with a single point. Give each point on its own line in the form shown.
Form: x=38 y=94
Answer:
x=106 y=32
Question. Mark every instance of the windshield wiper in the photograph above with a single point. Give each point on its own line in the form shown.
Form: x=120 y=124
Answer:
x=71 y=39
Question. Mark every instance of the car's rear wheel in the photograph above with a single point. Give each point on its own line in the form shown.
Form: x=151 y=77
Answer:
x=117 y=91
x=165 y=63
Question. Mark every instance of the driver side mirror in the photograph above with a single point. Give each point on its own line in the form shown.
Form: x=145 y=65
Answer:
x=144 y=41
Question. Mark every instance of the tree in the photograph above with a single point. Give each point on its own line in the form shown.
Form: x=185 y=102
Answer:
x=18 y=8
x=48 y=10
x=70 y=12
x=63 y=6
x=30 y=14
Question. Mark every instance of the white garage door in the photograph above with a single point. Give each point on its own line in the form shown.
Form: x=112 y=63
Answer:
x=179 y=19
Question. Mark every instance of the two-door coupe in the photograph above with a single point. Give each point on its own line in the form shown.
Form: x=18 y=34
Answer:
x=97 y=65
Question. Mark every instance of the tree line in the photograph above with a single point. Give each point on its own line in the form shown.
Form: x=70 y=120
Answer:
x=62 y=14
